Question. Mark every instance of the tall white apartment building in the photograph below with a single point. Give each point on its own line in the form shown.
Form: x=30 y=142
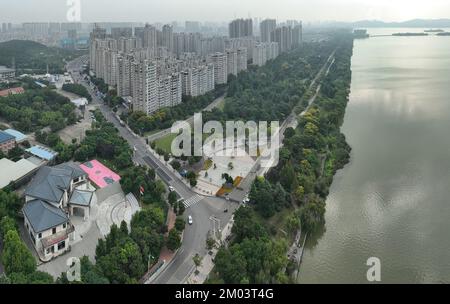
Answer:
x=124 y=83
x=170 y=91
x=219 y=61
x=198 y=80
x=207 y=85
x=190 y=82
x=249 y=43
x=265 y=51
x=145 y=87
x=231 y=62
x=241 y=59
x=150 y=37
x=260 y=54
x=167 y=37
x=267 y=27
x=127 y=45
x=110 y=68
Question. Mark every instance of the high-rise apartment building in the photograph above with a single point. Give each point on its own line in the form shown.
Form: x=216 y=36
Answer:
x=231 y=62
x=283 y=36
x=219 y=61
x=118 y=32
x=264 y=51
x=297 y=34
x=145 y=86
x=167 y=37
x=241 y=59
x=266 y=28
x=124 y=83
x=240 y=28
x=150 y=37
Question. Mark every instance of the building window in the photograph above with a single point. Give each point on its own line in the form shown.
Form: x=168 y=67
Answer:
x=62 y=245
x=64 y=226
x=40 y=236
x=54 y=231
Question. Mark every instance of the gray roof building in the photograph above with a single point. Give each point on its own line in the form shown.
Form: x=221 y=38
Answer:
x=43 y=216
x=76 y=170
x=50 y=183
x=81 y=198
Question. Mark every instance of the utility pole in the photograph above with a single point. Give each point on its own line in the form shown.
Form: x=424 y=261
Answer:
x=216 y=230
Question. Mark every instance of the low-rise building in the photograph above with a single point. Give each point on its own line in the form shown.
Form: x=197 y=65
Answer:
x=41 y=154
x=16 y=172
x=48 y=207
x=7 y=142
x=19 y=136
x=6 y=73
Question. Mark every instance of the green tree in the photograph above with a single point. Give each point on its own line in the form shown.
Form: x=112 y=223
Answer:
x=16 y=257
x=173 y=240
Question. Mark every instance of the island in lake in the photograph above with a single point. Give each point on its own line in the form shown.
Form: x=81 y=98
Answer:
x=410 y=34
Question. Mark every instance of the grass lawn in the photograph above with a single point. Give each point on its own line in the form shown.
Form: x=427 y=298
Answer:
x=150 y=133
x=221 y=104
x=165 y=143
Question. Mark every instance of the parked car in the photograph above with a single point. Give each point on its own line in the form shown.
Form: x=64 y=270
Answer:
x=190 y=220
x=171 y=189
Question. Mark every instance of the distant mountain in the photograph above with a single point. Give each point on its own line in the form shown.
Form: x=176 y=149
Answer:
x=419 y=23
x=422 y=23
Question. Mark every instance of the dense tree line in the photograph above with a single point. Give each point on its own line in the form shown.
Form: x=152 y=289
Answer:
x=103 y=142
x=38 y=108
x=252 y=257
x=35 y=57
x=133 y=178
x=140 y=122
x=123 y=256
x=17 y=260
x=316 y=149
x=77 y=89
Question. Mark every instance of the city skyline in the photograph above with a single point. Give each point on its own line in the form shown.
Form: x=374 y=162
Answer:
x=204 y=11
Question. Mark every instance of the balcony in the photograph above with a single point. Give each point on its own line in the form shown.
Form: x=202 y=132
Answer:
x=58 y=237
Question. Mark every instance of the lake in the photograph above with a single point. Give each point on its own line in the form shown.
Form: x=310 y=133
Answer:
x=392 y=201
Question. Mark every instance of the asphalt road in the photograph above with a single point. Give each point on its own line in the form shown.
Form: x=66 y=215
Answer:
x=195 y=235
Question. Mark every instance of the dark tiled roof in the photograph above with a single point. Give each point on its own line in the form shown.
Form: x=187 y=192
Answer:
x=81 y=198
x=76 y=170
x=43 y=216
x=4 y=137
x=50 y=183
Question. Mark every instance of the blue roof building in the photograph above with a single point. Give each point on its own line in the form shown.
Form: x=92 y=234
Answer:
x=5 y=137
x=17 y=135
x=42 y=153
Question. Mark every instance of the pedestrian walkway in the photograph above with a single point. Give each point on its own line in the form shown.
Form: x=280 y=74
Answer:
x=192 y=201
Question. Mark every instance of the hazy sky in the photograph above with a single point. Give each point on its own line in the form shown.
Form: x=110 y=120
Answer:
x=224 y=10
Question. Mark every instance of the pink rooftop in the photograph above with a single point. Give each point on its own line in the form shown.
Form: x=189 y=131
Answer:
x=99 y=174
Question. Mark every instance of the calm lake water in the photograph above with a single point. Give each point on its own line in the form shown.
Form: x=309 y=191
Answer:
x=392 y=201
